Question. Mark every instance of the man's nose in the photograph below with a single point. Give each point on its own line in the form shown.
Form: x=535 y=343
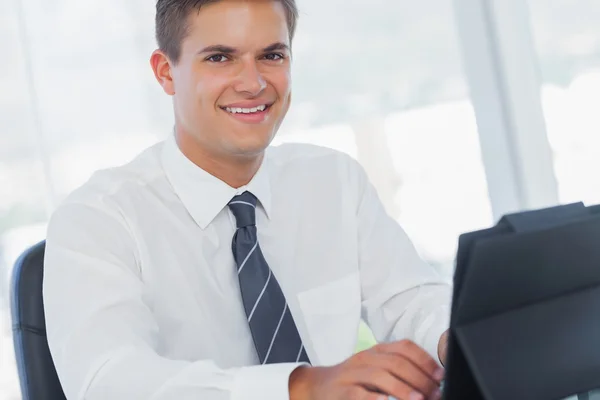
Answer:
x=250 y=79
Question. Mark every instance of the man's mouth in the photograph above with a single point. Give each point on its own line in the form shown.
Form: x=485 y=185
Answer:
x=251 y=115
x=254 y=110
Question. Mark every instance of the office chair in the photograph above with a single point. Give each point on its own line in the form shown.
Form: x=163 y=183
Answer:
x=37 y=374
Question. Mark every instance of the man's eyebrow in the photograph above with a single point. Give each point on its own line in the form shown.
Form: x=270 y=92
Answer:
x=218 y=48
x=276 y=46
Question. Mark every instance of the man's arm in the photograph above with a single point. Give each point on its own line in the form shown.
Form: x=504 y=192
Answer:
x=102 y=335
x=403 y=297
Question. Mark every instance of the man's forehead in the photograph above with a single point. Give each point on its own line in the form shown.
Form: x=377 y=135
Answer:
x=230 y=13
x=237 y=23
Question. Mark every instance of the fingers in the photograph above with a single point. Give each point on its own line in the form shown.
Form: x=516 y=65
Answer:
x=360 y=393
x=405 y=370
x=401 y=370
x=378 y=380
x=416 y=355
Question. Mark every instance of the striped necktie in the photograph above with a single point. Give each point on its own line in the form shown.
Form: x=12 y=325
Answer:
x=274 y=331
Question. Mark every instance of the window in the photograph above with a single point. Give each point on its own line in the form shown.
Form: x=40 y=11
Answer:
x=568 y=43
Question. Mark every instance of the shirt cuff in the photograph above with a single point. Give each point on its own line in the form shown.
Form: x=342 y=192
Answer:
x=265 y=382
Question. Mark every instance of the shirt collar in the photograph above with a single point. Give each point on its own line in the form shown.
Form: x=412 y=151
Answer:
x=204 y=195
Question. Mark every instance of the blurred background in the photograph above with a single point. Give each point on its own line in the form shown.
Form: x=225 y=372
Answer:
x=460 y=111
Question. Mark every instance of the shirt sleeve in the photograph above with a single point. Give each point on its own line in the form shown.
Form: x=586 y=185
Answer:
x=403 y=297
x=102 y=335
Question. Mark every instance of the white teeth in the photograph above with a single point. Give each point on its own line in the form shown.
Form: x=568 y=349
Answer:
x=245 y=110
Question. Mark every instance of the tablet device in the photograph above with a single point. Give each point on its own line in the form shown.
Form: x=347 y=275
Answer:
x=525 y=317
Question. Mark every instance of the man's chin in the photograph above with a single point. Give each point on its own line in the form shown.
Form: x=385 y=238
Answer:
x=251 y=143
x=248 y=150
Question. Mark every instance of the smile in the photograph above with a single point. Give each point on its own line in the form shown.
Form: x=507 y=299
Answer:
x=257 y=109
x=254 y=115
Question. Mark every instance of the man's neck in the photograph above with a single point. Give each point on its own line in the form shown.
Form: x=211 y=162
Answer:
x=236 y=171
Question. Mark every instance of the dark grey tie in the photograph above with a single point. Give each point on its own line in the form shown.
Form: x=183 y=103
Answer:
x=274 y=331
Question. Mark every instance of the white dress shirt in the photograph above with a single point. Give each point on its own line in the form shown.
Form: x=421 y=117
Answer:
x=142 y=298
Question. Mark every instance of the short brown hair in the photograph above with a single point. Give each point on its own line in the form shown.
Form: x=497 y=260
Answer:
x=172 y=25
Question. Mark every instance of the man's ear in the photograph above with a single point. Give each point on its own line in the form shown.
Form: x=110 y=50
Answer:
x=162 y=71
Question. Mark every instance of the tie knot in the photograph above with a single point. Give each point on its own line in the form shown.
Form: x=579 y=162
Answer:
x=243 y=208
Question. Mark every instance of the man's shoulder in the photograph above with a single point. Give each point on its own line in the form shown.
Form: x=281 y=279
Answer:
x=120 y=181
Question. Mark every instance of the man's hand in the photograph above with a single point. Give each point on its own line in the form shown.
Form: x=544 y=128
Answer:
x=401 y=369
x=443 y=348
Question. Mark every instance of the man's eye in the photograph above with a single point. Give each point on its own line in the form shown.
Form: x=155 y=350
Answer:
x=217 y=58
x=274 y=56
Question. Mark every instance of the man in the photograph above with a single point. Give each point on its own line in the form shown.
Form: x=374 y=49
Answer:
x=214 y=267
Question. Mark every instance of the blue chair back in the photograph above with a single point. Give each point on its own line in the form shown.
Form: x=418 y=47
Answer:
x=37 y=374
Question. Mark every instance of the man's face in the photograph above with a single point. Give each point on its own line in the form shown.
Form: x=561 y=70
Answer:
x=231 y=87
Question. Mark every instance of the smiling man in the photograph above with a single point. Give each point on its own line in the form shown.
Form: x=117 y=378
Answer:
x=214 y=267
